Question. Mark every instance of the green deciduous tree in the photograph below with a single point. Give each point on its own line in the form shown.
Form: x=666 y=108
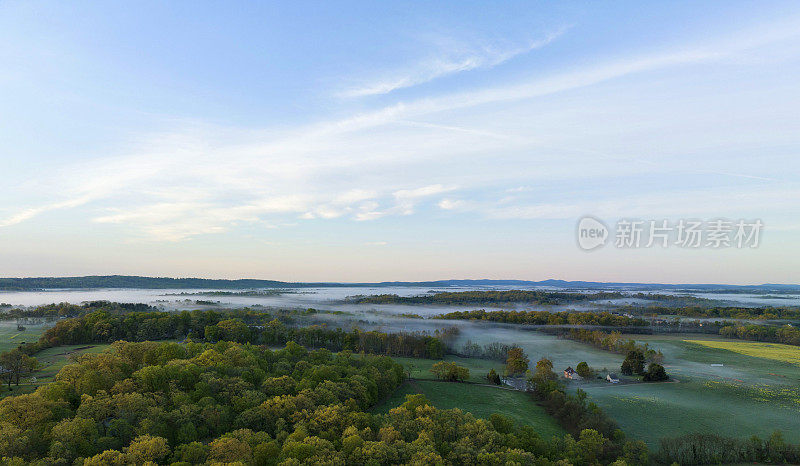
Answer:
x=516 y=361
x=655 y=373
x=633 y=363
x=450 y=371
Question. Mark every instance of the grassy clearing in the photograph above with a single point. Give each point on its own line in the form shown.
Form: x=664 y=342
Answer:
x=51 y=361
x=652 y=411
x=773 y=351
x=10 y=337
x=481 y=401
x=720 y=391
x=478 y=368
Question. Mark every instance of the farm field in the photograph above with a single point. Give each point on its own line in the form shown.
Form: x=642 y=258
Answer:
x=685 y=358
x=482 y=401
x=774 y=351
x=650 y=412
x=718 y=391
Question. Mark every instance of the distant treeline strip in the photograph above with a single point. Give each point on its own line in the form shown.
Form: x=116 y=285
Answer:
x=731 y=312
x=489 y=297
x=74 y=310
x=121 y=281
x=238 y=326
x=613 y=341
x=786 y=334
x=547 y=318
x=714 y=449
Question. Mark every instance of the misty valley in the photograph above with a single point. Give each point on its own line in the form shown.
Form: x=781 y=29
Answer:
x=401 y=374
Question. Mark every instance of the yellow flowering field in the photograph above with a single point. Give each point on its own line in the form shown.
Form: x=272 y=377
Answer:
x=774 y=351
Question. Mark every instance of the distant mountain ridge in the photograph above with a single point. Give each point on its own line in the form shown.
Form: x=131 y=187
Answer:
x=127 y=281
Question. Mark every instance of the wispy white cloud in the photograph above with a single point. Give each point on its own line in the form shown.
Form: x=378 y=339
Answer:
x=407 y=198
x=448 y=62
x=451 y=204
x=29 y=213
x=384 y=162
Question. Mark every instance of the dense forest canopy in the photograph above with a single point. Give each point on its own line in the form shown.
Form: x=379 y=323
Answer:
x=242 y=326
x=225 y=402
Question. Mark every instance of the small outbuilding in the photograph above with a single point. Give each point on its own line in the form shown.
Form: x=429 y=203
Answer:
x=612 y=378
x=570 y=373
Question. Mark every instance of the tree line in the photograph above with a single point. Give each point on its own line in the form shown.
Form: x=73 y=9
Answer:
x=494 y=351
x=125 y=281
x=574 y=412
x=785 y=334
x=695 y=449
x=605 y=319
x=243 y=326
x=729 y=312
x=489 y=297
x=614 y=342
x=64 y=310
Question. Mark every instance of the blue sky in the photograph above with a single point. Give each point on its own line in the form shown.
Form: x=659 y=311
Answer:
x=394 y=140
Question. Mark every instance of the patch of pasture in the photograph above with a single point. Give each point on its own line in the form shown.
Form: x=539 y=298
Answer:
x=10 y=337
x=684 y=359
x=51 y=360
x=651 y=411
x=719 y=391
x=482 y=401
x=773 y=351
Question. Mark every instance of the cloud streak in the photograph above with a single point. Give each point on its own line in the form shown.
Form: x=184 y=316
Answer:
x=392 y=161
x=449 y=63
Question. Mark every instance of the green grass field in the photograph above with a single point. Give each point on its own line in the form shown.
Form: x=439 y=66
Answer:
x=10 y=337
x=51 y=361
x=481 y=401
x=719 y=391
x=652 y=411
x=774 y=351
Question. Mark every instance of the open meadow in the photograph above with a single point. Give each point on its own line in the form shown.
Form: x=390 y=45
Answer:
x=773 y=351
x=10 y=337
x=714 y=390
x=480 y=400
x=51 y=360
